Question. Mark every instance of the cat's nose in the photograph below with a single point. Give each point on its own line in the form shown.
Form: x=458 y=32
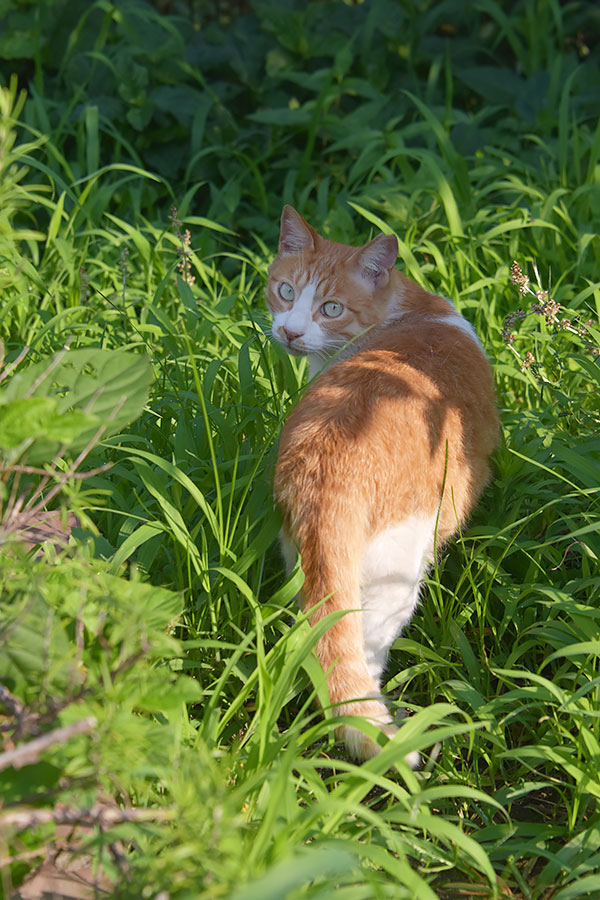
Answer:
x=291 y=335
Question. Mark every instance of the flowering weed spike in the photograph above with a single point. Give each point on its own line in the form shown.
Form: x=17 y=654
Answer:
x=519 y=278
x=184 y=251
x=528 y=361
x=548 y=368
x=123 y=269
x=84 y=284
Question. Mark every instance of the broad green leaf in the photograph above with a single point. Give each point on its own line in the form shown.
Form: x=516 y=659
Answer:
x=102 y=390
x=34 y=418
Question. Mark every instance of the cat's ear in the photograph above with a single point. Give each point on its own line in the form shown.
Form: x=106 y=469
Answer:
x=296 y=234
x=376 y=259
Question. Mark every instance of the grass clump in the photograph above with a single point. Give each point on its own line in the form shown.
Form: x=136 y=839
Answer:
x=139 y=213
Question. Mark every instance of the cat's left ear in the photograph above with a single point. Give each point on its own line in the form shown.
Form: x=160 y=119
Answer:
x=296 y=234
x=376 y=259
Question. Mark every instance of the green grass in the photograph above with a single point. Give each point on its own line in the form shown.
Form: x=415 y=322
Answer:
x=168 y=617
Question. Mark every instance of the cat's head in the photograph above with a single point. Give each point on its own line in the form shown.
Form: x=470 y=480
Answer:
x=323 y=294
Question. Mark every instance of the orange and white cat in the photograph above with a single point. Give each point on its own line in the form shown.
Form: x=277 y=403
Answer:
x=391 y=438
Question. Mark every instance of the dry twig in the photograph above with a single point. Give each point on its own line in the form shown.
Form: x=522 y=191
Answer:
x=99 y=814
x=10 y=702
x=30 y=753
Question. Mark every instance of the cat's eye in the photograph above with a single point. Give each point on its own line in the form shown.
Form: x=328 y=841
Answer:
x=286 y=291
x=332 y=310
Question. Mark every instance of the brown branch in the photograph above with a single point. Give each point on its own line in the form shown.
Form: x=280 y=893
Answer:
x=54 y=473
x=100 y=814
x=21 y=857
x=15 y=706
x=30 y=753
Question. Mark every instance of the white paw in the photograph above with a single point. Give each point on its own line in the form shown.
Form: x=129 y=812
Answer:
x=361 y=747
x=413 y=759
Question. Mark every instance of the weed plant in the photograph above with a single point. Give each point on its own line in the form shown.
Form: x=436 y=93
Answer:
x=141 y=180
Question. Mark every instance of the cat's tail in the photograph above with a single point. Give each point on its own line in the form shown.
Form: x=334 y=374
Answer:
x=331 y=538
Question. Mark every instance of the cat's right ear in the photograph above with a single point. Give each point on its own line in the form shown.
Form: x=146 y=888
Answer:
x=296 y=234
x=376 y=259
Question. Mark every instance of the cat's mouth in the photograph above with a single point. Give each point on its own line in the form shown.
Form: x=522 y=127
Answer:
x=292 y=345
x=294 y=349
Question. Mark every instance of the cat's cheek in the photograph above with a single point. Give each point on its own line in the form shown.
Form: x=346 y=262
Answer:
x=314 y=338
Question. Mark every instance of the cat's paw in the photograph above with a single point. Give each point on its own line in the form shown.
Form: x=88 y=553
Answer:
x=413 y=759
x=362 y=747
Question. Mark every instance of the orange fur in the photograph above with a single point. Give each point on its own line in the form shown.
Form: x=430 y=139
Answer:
x=396 y=432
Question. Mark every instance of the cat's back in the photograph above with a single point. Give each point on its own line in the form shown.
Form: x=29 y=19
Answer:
x=406 y=368
x=414 y=405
